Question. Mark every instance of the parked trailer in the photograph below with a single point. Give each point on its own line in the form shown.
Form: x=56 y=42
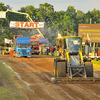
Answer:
x=22 y=47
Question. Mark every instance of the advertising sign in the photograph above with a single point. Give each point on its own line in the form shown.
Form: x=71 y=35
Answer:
x=43 y=40
x=2 y=14
x=15 y=24
x=91 y=32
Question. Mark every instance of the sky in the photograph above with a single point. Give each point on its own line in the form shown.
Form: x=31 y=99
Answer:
x=83 y=5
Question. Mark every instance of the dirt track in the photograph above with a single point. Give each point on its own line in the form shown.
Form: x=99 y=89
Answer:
x=35 y=74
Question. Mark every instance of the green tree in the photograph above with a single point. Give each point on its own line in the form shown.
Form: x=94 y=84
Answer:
x=68 y=21
x=33 y=12
x=46 y=11
x=57 y=20
x=95 y=15
x=88 y=17
x=81 y=17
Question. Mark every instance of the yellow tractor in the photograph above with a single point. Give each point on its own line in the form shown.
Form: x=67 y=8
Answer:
x=71 y=66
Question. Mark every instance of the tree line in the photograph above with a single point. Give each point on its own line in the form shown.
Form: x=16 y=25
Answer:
x=63 y=22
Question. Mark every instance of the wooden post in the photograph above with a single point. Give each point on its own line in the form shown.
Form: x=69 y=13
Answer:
x=94 y=49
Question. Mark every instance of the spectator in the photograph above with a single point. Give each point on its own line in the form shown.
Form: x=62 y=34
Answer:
x=41 y=50
x=0 y=50
x=52 y=50
x=57 y=47
x=47 y=50
x=60 y=51
x=19 y=45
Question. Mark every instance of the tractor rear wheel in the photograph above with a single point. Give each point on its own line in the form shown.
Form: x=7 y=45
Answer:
x=89 y=69
x=61 y=69
x=55 y=67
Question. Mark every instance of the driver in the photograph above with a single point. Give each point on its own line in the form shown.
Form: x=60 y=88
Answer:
x=78 y=45
x=19 y=45
x=71 y=44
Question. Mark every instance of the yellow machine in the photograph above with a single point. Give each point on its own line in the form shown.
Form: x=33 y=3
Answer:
x=71 y=66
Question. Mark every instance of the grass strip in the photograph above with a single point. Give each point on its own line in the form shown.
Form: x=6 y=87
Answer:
x=96 y=64
x=8 y=88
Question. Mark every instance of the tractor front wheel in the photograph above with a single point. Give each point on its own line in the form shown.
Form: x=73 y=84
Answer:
x=61 y=69
x=89 y=69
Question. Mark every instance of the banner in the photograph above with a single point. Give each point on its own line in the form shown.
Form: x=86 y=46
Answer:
x=91 y=32
x=2 y=14
x=8 y=41
x=15 y=24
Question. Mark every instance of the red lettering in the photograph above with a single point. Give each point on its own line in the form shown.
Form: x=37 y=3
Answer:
x=31 y=24
x=36 y=24
x=26 y=24
x=21 y=24
x=17 y=24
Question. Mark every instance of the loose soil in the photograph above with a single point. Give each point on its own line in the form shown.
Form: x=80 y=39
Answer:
x=33 y=77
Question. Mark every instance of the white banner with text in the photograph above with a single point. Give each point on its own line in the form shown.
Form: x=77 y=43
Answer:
x=15 y=24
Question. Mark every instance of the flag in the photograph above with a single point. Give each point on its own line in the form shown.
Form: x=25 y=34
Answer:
x=88 y=37
x=59 y=35
x=8 y=41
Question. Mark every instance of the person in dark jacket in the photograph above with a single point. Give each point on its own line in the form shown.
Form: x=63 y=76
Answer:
x=47 y=50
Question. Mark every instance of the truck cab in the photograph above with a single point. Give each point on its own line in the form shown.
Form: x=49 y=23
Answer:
x=22 y=47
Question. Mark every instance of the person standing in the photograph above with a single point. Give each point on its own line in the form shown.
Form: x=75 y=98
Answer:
x=47 y=50
x=60 y=51
x=0 y=50
x=41 y=50
x=52 y=50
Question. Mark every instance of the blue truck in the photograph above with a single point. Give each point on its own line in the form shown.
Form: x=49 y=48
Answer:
x=22 y=47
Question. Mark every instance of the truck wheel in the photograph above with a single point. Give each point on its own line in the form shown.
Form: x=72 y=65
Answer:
x=61 y=69
x=89 y=69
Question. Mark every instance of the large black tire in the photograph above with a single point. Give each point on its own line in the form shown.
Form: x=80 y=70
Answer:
x=61 y=69
x=37 y=53
x=89 y=69
x=55 y=67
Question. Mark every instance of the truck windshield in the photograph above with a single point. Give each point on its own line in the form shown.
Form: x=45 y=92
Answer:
x=73 y=44
x=35 y=48
x=24 y=45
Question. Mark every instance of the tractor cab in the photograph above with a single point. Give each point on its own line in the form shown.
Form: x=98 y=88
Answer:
x=73 y=44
